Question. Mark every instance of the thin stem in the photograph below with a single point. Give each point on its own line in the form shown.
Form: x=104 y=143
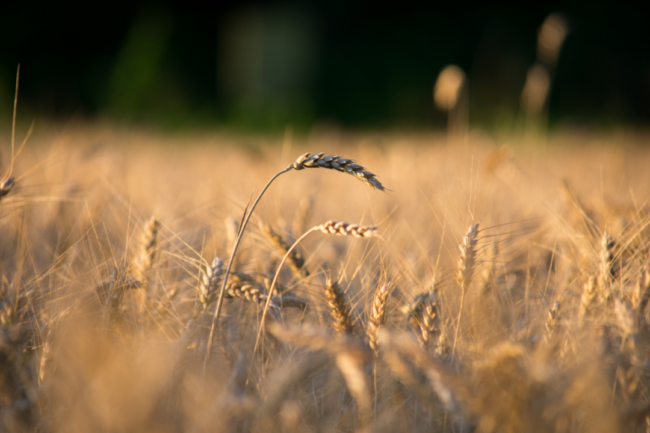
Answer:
x=217 y=311
x=275 y=280
x=460 y=315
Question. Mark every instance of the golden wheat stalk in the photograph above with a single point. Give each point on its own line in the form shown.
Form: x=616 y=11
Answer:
x=466 y=263
x=338 y=307
x=304 y=161
x=330 y=227
x=377 y=317
x=296 y=261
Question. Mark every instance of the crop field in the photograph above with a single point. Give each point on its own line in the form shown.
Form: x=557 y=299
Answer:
x=441 y=285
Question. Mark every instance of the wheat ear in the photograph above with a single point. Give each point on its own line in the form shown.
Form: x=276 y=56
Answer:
x=302 y=162
x=145 y=260
x=339 y=308
x=377 y=316
x=330 y=227
x=466 y=263
x=587 y=299
x=209 y=282
x=335 y=162
x=423 y=312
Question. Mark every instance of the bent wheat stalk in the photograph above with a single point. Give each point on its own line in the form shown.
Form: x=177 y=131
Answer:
x=330 y=227
x=307 y=160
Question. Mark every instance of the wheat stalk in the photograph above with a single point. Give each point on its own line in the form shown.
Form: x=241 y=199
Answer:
x=338 y=307
x=330 y=227
x=466 y=263
x=296 y=262
x=377 y=316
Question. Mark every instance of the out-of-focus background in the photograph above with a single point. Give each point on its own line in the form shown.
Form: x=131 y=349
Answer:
x=260 y=66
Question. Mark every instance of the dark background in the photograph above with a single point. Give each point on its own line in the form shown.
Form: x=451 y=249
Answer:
x=364 y=64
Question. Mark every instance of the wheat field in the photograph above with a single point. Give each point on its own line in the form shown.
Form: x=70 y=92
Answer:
x=496 y=285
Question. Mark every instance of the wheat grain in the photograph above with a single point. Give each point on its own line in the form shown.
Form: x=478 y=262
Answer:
x=334 y=162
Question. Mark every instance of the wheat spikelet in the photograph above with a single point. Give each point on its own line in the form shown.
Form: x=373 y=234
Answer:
x=536 y=87
x=334 y=162
x=209 y=282
x=467 y=258
x=446 y=92
x=147 y=251
x=5 y=186
x=245 y=287
x=345 y=229
x=550 y=38
x=338 y=307
x=377 y=315
x=552 y=321
x=587 y=299
x=296 y=262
